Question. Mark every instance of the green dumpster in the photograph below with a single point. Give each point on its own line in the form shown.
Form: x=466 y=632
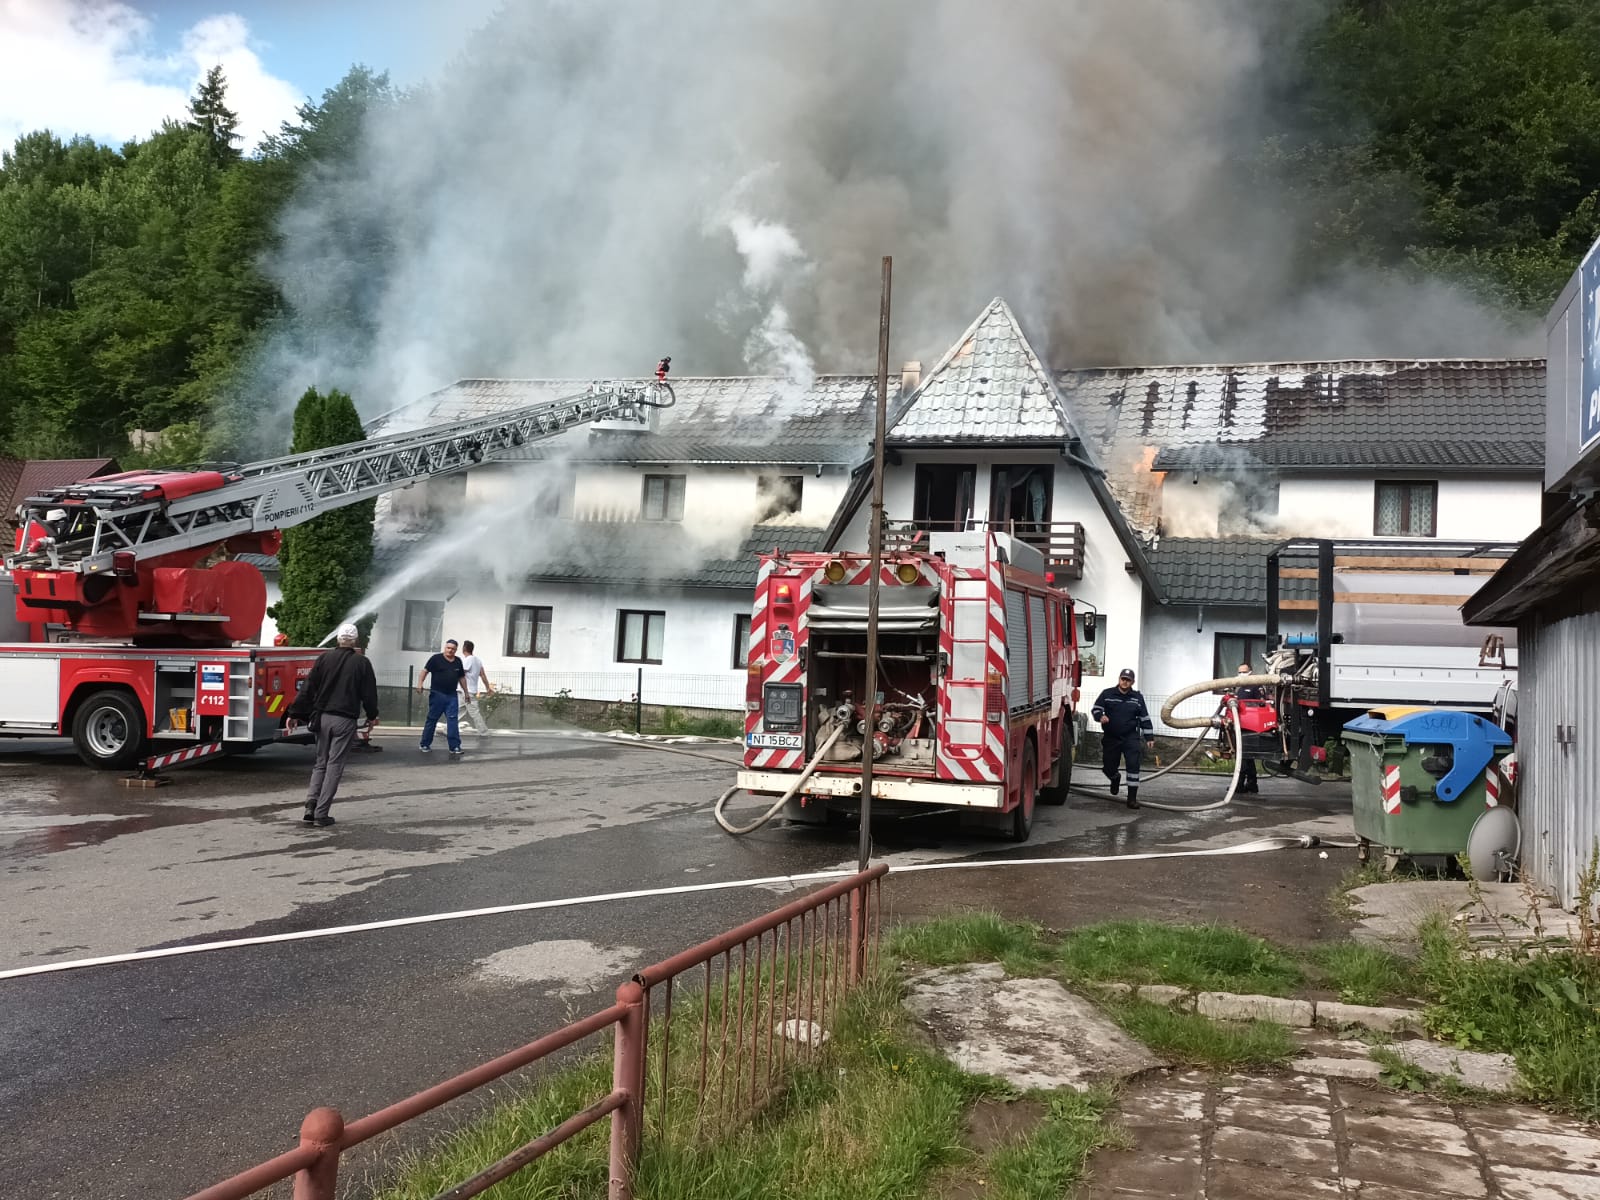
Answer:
x=1418 y=779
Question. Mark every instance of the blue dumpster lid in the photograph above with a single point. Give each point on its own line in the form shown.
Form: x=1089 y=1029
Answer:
x=1435 y=725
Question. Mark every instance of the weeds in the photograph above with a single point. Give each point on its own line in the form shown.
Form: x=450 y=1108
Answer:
x=973 y=937
x=1202 y=957
x=1051 y=1160
x=1364 y=974
x=1201 y=1042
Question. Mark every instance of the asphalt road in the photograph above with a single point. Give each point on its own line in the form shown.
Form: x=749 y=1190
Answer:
x=154 y=1079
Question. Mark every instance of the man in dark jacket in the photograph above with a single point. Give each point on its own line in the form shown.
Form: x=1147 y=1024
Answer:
x=1124 y=723
x=340 y=685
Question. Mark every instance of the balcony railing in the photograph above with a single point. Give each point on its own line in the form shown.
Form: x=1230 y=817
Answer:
x=1061 y=542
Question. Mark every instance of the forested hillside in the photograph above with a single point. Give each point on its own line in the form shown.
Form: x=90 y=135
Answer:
x=1458 y=137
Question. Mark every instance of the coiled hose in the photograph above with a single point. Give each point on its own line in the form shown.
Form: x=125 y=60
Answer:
x=800 y=782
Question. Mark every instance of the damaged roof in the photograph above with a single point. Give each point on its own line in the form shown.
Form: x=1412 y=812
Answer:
x=989 y=387
x=1437 y=413
x=662 y=553
x=754 y=419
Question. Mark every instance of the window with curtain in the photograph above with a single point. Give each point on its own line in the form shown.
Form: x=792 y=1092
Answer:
x=741 y=641
x=663 y=497
x=528 y=631
x=424 y=625
x=1405 y=508
x=1231 y=649
x=640 y=636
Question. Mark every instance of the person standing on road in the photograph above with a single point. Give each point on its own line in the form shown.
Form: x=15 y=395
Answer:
x=340 y=685
x=1124 y=723
x=476 y=684
x=444 y=694
x=1247 y=777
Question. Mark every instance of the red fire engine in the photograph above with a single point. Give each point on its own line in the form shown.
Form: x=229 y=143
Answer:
x=978 y=675
x=125 y=639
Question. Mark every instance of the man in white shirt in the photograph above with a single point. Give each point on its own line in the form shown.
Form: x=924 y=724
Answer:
x=475 y=683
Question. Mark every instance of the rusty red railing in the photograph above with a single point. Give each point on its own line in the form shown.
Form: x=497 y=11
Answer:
x=821 y=945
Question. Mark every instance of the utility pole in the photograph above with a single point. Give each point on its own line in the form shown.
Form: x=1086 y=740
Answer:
x=874 y=580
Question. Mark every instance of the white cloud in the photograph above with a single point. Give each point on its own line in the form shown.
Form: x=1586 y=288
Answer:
x=89 y=67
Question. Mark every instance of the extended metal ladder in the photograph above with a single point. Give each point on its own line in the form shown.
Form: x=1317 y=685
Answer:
x=104 y=518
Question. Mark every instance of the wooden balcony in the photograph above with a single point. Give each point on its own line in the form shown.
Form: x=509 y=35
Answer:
x=1061 y=542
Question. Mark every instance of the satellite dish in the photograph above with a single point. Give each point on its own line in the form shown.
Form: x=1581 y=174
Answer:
x=1493 y=844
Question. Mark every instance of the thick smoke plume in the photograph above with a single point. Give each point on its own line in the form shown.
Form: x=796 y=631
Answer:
x=593 y=186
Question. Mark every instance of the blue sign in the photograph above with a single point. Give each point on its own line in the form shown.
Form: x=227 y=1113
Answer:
x=1589 y=368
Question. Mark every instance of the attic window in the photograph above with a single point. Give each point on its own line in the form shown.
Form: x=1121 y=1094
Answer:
x=778 y=496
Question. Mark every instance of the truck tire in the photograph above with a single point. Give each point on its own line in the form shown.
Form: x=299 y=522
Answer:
x=1060 y=780
x=108 y=730
x=1022 y=814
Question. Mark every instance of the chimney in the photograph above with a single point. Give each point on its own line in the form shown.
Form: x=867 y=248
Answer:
x=910 y=378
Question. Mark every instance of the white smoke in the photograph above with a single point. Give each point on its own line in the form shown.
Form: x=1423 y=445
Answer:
x=585 y=189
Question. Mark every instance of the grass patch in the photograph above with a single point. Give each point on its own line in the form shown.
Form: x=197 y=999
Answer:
x=1051 y=1160
x=973 y=937
x=1204 y=957
x=876 y=1115
x=1201 y=1042
x=1543 y=1008
x=1363 y=974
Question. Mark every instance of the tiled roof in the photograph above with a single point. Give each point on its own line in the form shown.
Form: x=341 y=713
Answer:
x=1443 y=455
x=1213 y=570
x=742 y=419
x=991 y=386
x=1327 y=412
x=21 y=478
x=637 y=552
x=267 y=564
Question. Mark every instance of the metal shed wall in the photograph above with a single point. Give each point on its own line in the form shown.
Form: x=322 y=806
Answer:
x=1559 y=748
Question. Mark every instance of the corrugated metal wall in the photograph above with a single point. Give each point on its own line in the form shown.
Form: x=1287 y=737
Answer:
x=1559 y=687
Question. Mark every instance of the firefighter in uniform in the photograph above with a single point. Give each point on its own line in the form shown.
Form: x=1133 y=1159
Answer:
x=1124 y=723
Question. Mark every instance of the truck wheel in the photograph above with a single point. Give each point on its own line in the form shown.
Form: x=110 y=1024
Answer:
x=1022 y=815
x=108 y=730
x=1060 y=781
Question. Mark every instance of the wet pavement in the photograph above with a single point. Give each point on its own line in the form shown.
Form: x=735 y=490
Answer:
x=156 y=1078
x=1261 y=1137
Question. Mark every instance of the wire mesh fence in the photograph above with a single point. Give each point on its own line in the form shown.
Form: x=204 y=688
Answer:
x=640 y=699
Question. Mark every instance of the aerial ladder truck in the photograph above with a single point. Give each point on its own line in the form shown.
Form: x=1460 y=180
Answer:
x=133 y=624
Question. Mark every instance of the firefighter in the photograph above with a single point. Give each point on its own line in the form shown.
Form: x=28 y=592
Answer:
x=1124 y=721
x=1248 y=780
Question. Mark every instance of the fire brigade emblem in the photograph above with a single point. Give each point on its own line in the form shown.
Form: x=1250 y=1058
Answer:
x=782 y=644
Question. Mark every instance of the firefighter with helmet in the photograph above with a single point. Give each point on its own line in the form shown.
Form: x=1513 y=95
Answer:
x=1124 y=723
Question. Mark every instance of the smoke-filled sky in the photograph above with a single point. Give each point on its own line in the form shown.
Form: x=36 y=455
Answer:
x=595 y=185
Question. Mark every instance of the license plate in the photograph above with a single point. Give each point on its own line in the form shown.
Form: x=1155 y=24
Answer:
x=774 y=741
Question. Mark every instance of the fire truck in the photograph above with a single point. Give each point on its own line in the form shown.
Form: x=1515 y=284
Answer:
x=131 y=622
x=978 y=681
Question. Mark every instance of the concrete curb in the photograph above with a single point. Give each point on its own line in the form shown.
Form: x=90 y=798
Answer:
x=1298 y=1014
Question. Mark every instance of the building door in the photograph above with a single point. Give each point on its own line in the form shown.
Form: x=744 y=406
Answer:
x=1019 y=498
x=943 y=495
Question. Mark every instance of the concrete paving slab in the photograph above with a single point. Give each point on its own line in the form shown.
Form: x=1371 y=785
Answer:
x=1031 y=1032
x=1369 y=1101
x=1244 y=1181
x=1387 y=1020
x=1341 y=1068
x=1309 y=1156
x=1540 y=1149
x=1403 y=1168
x=1519 y=1183
x=1472 y=1068
x=1413 y=1133
x=1152 y=1107
x=1226 y=1006
x=1523 y=1118
x=1272 y=1115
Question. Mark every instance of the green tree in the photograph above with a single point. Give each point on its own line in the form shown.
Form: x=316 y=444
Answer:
x=210 y=116
x=324 y=563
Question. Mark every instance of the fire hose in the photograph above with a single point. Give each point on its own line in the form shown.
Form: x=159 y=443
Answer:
x=1214 y=721
x=799 y=782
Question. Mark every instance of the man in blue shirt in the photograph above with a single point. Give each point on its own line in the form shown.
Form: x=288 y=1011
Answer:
x=444 y=692
x=1124 y=723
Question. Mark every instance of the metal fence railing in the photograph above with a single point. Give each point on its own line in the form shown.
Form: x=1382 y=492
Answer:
x=807 y=956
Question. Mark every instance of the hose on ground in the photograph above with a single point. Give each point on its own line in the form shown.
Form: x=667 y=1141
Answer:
x=800 y=782
x=1233 y=783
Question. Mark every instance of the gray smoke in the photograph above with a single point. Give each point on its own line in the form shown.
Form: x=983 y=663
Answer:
x=595 y=185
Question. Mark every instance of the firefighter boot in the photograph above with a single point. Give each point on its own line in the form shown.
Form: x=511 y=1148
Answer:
x=1133 y=797
x=1116 y=782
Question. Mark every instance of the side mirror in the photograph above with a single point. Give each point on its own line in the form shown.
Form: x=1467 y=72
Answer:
x=1089 y=624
